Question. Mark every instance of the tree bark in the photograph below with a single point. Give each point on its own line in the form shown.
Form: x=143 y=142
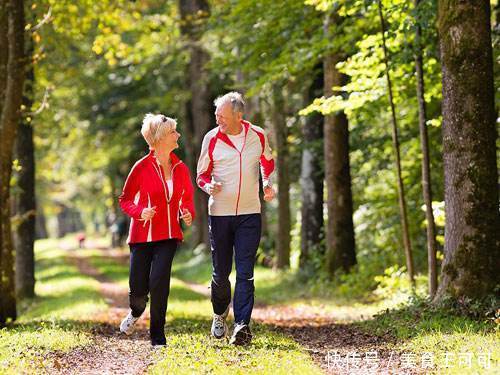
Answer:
x=194 y=14
x=472 y=243
x=395 y=141
x=312 y=176
x=11 y=11
x=284 y=222
x=426 y=169
x=25 y=204
x=340 y=242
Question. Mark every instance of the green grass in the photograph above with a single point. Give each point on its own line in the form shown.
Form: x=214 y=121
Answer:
x=284 y=288
x=419 y=329
x=49 y=322
x=59 y=319
x=190 y=349
x=438 y=331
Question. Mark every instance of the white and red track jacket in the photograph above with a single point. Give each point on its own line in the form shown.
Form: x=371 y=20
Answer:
x=220 y=161
x=146 y=187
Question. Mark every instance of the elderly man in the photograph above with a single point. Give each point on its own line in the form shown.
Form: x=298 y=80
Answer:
x=228 y=170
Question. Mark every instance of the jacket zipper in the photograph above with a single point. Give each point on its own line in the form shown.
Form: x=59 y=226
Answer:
x=241 y=173
x=163 y=184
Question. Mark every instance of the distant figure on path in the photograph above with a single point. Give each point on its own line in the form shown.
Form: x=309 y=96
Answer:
x=157 y=193
x=228 y=170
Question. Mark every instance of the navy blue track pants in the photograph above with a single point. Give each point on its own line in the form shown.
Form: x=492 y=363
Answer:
x=238 y=235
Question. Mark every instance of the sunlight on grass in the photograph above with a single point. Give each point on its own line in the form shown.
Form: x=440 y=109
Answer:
x=62 y=292
x=48 y=322
x=456 y=344
x=190 y=348
x=284 y=288
x=24 y=349
x=460 y=351
x=269 y=353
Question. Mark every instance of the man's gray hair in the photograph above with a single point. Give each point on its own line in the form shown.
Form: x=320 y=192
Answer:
x=233 y=97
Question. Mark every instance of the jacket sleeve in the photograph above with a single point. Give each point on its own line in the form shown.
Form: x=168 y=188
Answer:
x=266 y=162
x=129 y=197
x=205 y=165
x=187 y=193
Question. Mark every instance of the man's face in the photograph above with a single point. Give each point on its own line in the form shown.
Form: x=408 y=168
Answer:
x=228 y=121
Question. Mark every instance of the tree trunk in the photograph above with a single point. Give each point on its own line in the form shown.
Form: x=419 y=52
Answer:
x=340 y=244
x=11 y=11
x=472 y=243
x=312 y=176
x=25 y=205
x=284 y=222
x=194 y=14
x=395 y=141
x=426 y=169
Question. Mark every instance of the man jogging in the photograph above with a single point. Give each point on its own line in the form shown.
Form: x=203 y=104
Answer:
x=228 y=170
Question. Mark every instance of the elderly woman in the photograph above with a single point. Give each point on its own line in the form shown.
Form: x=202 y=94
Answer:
x=157 y=193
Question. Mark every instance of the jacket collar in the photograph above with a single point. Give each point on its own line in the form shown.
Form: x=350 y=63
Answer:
x=223 y=137
x=175 y=159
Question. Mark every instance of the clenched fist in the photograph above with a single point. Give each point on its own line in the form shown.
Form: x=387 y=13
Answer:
x=148 y=213
x=187 y=217
x=214 y=188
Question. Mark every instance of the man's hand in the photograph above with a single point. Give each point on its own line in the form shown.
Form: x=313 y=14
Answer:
x=269 y=193
x=214 y=188
x=186 y=216
x=148 y=213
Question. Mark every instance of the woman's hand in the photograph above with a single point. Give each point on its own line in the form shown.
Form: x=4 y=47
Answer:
x=148 y=213
x=186 y=216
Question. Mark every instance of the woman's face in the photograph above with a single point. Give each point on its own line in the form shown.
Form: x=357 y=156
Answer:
x=169 y=140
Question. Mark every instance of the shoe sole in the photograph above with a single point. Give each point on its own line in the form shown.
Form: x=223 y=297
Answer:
x=241 y=339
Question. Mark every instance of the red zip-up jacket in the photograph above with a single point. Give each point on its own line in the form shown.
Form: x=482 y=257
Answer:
x=146 y=187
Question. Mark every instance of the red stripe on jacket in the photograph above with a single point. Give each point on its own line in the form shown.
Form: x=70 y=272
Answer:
x=145 y=187
x=237 y=171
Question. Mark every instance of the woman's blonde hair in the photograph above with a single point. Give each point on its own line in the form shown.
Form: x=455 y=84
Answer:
x=155 y=127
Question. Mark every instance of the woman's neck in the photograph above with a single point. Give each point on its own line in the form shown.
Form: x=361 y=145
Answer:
x=163 y=156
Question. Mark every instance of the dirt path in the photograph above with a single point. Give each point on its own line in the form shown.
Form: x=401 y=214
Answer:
x=336 y=348
x=111 y=352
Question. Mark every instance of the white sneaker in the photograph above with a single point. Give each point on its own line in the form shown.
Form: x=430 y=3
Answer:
x=127 y=324
x=219 y=326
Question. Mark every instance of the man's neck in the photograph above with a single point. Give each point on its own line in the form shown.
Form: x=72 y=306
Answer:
x=236 y=130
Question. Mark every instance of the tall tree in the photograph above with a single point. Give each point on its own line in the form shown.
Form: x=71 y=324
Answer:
x=11 y=91
x=281 y=136
x=395 y=140
x=194 y=15
x=24 y=198
x=426 y=169
x=340 y=251
x=472 y=238
x=312 y=176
